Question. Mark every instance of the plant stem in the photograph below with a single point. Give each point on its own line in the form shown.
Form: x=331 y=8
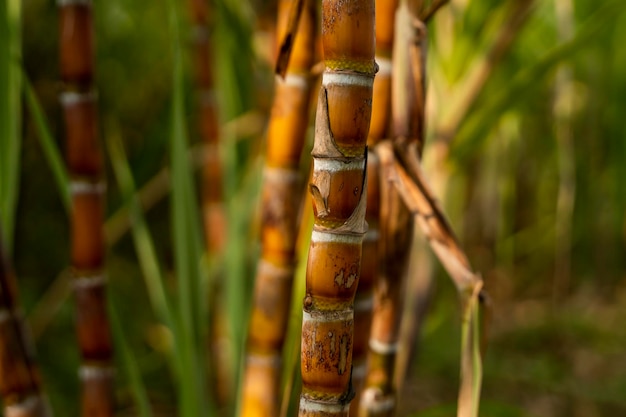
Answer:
x=87 y=189
x=564 y=94
x=338 y=188
x=20 y=383
x=213 y=212
x=379 y=129
x=281 y=200
x=396 y=222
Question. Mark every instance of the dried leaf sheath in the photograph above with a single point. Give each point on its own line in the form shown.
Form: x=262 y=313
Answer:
x=87 y=188
x=379 y=129
x=20 y=385
x=338 y=188
x=416 y=194
x=281 y=199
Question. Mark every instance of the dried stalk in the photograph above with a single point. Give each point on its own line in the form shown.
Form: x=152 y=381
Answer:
x=87 y=188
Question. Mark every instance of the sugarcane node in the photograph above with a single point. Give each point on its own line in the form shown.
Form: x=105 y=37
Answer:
x=31 y=404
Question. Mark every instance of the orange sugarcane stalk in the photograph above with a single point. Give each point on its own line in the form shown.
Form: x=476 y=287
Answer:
x=379 y=129
x=20 y=383
x=87 y=188
x=281 y=201
x=338 y=188
x=396 y=223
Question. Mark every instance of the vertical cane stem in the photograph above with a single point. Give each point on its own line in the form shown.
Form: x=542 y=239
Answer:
x=20 y=385
x=338 y=188
x=87 y=188
x=281 y=199
x=379 y=129
x=396 y=223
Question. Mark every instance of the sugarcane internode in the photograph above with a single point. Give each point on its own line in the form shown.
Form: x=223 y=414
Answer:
x=338 y=188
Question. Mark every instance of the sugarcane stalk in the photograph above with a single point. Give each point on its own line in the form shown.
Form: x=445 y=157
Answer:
x=87 y=189
x=20 y=382
x=338 y=189
x=281 y=200
x=566 y=197
x=396 y=222
x=379 y=129
x=212 y=194
x=208 y=126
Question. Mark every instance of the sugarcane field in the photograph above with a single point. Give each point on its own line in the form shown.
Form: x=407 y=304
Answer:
x=313 y=208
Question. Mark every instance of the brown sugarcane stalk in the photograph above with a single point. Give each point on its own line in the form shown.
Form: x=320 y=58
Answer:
x=338 y=188
x=396 y=222
x=379 y=129
x=281 y=199
x=87 y=187
x=213 y=213
x=208 y=126
x=20 y=383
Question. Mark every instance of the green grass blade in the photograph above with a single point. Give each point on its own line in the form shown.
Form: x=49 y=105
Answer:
x=477 y=361
x=141 y=235
x=10 y=117
x=471 y=359
x=48 y=145
x=187 y=243
x=130 y=365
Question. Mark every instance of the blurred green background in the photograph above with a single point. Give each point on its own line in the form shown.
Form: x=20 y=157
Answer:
x=526 y=149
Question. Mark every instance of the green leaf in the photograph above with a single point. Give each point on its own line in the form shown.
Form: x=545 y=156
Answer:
x=187 y=241
x=48 y=145
x=10 y=117
x=130 y=365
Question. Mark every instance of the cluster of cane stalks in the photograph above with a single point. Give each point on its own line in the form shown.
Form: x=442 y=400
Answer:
x=367 y=191
x=338 y=363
